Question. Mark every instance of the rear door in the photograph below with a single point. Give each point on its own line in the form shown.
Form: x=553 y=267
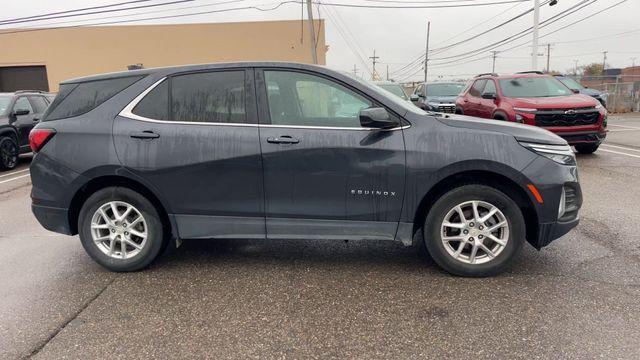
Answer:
x=200 y=150
x=324 y=174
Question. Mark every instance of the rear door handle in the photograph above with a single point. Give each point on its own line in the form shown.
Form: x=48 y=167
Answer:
x=284 y=139
x=147 y=134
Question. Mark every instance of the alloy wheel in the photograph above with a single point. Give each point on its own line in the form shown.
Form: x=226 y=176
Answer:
x=119 y=230
x=8 y=153
x=475 y=232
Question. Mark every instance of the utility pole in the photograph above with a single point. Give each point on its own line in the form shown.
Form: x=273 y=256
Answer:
x=355 y=70
x=374 y=59
x=312 y=33
x=536 y=25
x=426 y=53
x=633 y=61
x=575 y=67
x=604 y=61
x=493 y=68
x=387 y=72
x=548 y=57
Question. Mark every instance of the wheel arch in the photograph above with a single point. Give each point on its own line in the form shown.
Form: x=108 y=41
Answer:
x=104 y=181
x=481 y=177
x=8 y=130
x=500 y=115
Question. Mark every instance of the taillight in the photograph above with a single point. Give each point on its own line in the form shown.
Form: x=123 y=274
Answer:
x=39 y=137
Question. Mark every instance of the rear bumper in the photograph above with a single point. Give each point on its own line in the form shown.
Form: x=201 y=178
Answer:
x=52 y=219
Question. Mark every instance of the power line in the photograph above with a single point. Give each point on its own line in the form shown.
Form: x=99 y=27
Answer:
x=74 y=10
x=422 y=6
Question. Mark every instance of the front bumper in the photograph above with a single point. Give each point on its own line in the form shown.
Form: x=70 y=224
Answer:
x=547 y=232
x=583 y=137
x=52 y=219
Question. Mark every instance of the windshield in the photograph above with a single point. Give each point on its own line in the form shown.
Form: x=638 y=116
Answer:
x=394 y=89
x=571 y=84
x=4 y=104
x=444 y=89
x=533 y=87
x=404 y=104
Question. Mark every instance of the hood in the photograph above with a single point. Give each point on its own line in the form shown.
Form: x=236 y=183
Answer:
x=521 y=132
x=442 y=99
x=555 y=102
x=590 y=92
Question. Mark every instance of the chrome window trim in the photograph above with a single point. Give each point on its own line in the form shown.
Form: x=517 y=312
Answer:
x=128 y=113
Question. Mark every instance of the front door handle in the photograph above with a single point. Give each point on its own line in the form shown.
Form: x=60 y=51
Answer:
x=284 y=139
x=147 y=134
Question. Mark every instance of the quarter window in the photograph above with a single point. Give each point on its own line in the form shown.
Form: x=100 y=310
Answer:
x=216 y=97
x=38 y=103
x=306 y=100
x=155 y=105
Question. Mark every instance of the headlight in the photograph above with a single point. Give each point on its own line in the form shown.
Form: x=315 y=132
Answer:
x=599 y=105
x=525 y=110
x=562 y=154
x=519 y=118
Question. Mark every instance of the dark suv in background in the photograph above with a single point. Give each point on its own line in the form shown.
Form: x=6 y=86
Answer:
x=536 y=99
x=437 y=96
x=577 y=87
x=135 y=161
x=20 y=111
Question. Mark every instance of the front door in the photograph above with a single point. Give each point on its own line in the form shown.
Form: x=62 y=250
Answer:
x=324 y=174
x=201 y=153
x=486 y=107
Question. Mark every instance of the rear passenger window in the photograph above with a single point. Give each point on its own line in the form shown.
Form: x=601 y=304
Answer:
x=77 y=99
x=215 y=97
x=155 y=105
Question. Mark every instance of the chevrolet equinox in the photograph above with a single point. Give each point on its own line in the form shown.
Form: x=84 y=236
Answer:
x=136 y=161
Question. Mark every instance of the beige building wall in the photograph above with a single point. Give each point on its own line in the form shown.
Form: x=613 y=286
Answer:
x=74 y=52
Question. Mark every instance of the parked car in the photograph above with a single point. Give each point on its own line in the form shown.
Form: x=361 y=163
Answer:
x=20 y=111
x=536 y=99
x=576 y=86
x=394 y=88
x=437 y=96
x=257 y=151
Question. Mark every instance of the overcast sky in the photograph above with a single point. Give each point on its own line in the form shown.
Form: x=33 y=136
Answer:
x=399 y=35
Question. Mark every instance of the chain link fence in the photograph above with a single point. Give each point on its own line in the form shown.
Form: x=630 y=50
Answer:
x=621 y=92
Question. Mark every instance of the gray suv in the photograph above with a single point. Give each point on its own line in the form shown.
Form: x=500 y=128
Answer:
x=136 y=161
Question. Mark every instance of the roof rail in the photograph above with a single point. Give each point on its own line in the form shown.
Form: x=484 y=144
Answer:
x=487 y=74
x=29 y=91
x=531 y=72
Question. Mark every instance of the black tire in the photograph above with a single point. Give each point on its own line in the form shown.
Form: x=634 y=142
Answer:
x=8 y=153
x=155 y=233
x=433 y=233
x=587 y=148
x=459 y=111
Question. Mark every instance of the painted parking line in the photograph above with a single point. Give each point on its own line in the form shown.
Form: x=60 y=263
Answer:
x=13 y=173
x=24 y=176
x=621 y=147
x=614 y=152
x=626 y=127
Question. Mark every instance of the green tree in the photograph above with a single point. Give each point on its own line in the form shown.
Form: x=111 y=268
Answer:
x=593 y=69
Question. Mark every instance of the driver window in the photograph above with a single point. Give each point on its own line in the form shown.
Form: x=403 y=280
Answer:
x=477 y=87
x=22 y=104
x=301 y=99
x=490 y=88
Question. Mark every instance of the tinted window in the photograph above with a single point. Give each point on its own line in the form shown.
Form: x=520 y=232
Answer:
x=570 y=83
x=77 y=99
x=22 y=104
x=209 y=97
x=302 y=99
x=490 y=88
x=155 y=105
x=394 y=89
x=477 y=87
x=530 y=87
x=444 y=89
x=39 y=103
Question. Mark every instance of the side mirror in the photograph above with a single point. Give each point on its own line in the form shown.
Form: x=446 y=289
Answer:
x=21 y=112
x=575 y=91
x=377 y=118
x=489 y=96
x=414 y=97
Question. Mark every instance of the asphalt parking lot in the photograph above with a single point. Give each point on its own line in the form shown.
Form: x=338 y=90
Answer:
x=578 y=298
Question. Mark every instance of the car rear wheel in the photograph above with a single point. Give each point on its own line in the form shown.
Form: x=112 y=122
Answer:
x=474 y=230
x=8 y=153
x=587 y=148
x=120 y=229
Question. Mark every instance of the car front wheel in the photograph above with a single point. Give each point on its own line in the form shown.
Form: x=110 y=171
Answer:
x=8 y=153
x=474 y=230
x=120 y=229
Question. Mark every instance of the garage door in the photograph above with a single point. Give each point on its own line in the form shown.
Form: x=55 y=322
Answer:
x=14 y=78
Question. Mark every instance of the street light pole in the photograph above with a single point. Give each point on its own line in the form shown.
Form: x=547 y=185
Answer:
x=536 y=24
